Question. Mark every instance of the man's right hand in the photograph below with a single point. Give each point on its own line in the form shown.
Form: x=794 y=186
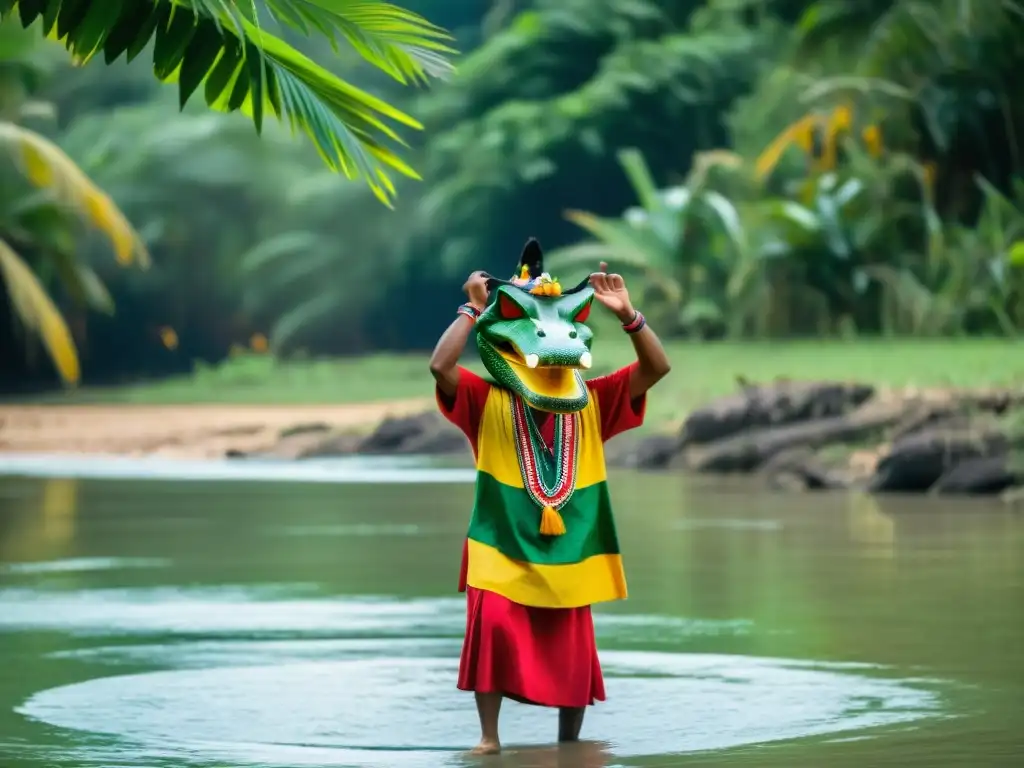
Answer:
x=476 y=289
x=444 y=363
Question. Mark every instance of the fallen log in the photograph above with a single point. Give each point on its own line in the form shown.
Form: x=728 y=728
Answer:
x=770 y=405
x=748 y=451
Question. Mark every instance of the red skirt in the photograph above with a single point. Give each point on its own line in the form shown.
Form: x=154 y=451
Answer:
x=543 y=656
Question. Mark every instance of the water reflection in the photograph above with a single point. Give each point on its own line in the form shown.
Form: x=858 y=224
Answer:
x=585 y=754
x=870 y=526
x=150 y=622
x=41 y=524
x=59 y=508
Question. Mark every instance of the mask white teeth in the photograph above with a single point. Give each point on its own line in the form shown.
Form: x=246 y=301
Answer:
x=532 y=361
x=586 y=360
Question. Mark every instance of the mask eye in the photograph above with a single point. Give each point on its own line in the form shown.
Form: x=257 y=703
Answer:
x=583 y=314
x=508 y=309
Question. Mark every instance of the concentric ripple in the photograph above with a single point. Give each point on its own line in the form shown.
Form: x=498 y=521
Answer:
x=280 y=675
x=401 y=711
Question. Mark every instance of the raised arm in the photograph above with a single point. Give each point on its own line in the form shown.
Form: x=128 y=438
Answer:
x=652 y=362
x=444 y=362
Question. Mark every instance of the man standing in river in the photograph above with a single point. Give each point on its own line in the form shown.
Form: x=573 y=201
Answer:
x=542 y=546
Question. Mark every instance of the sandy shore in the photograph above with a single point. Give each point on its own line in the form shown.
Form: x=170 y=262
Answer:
x=181 y=431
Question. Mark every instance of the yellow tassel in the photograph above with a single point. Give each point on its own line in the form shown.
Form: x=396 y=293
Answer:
x=551 y=523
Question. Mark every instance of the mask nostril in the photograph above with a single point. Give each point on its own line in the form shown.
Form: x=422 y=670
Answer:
x=573 y=334
x=541 y=333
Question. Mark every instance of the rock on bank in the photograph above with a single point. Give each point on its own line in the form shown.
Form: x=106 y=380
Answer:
x=794 y=435
x=833 y=435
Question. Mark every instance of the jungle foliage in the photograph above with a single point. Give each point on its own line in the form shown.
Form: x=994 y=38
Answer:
x=758 y=168
x=229 y=50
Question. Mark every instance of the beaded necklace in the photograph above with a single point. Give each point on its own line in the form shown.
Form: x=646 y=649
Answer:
x=549 y=476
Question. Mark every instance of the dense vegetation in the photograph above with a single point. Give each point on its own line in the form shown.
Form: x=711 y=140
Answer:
x=231 y=52
x=761 y=167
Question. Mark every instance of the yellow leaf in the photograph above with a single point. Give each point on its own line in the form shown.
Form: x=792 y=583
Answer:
x=872 y=140
x=259 y=343
x=1016 y=254
x=37 y=310
x=808 y=189
x=929 y=176
x=842 y=118
x=46 y=166
x=829 y=153
x=805 y=140
x=168 y=337
x=794 y=134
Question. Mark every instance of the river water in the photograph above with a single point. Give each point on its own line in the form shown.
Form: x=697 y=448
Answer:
x=306 y=615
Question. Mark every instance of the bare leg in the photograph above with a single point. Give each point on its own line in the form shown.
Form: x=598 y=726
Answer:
x=570 y=721
x=488 y=706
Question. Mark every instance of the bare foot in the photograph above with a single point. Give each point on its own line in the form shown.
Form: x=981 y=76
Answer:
x=486 y=747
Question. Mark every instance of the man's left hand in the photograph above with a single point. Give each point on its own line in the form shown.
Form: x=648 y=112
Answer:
x=610 y=290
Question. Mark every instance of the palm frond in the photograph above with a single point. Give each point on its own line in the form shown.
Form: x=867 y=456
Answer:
x=267 y=252
x=632 y=245
x=796 y=217
x=401 y=43
x=47 y=167
x=846 y=22
x=36 y=310
x=221 y=46
x=586 y=255
x=278 y=285
x=624 y=247
x=639 y=175
x=846 y=86
x=706 y=162
x=729 y=217
x=921 y=310
x=82 y=283
x=297 y=319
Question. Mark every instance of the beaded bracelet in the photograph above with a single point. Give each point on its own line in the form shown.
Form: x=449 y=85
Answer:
x=469 y=311
x=636 y=324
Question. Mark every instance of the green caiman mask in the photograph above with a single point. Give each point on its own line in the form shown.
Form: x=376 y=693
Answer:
x=533 y=337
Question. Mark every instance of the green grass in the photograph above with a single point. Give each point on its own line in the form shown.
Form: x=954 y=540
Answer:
x=700 y=373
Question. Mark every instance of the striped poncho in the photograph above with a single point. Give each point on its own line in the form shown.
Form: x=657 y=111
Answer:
x=521 y=480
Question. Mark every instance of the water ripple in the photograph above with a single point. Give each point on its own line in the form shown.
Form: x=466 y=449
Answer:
x=84 y=564
x=379 y=692
x=344 y=470
x=334 y=713
x=285 y=609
